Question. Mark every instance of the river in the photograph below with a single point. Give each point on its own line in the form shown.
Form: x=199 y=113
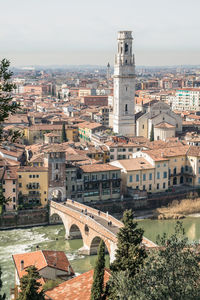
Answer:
x=53 y=238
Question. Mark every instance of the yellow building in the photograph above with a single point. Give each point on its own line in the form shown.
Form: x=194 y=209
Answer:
x=36 y=133
x=33 y=185
x=139 y=174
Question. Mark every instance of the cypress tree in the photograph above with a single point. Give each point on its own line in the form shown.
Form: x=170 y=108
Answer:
x=98 y=277
x=63 y=137
x=2 y=297
x=29 y=285
x=129 y=254
x=152 y=134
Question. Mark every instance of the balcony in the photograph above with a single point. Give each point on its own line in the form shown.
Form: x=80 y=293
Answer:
x=33 y=186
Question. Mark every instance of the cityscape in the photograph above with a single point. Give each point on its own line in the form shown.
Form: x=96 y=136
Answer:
x=99 y=159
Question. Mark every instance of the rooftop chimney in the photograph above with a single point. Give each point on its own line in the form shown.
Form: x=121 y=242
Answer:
x=22 y=265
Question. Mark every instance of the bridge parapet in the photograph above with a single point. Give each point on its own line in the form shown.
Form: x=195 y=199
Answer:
x=94 y=211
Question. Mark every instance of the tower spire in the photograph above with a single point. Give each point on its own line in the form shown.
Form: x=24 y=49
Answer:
x=124 y=86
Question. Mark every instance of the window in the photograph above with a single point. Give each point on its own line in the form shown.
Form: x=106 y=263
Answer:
x=137 y=177
x=144 y=177
x=165 y=174
x=13 y=181
x=199 y=180
x=130 y=149
x=33 y=176
x=37 y=176
x=130 y=178
x=4 y=190
x=14 y=199
x=158 y=175
x=158 y=165
x=20 y=176
x=30 y=176
x=158 y=186
x=164 y=165
x=142 y=126
x=111 y=150
x=144 y=187
x=137 y=187
x=73 y=188
x=20 y=185
x=56 y=176
x=112 y=157
x=150 y=176
x=186 y=168
x=13 y=190
x=56 y=166
x=164 y=185
x=3 y=181
x=150 y=187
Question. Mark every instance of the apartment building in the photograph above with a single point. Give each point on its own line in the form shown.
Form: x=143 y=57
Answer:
x=140 y=174
x=33 y=185
x=8 y=175
x=96 y=182
x=121 y=150
x=187 y=99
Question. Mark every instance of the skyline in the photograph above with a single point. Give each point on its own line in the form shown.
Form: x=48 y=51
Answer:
x=82 y=33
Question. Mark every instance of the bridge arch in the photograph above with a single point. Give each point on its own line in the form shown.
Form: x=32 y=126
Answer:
x=75 y=232
x=95 y=245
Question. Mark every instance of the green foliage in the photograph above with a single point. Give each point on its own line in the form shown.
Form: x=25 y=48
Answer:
x=171 y=272
x=64 y=136
x=29 y=285
x=50 y=284
x=2 y=297
x=7 y=107
x=152 y=134
x=129 y=254
x=98 y=277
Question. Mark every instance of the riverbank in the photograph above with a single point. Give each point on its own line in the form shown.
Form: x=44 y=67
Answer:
x=178 y=209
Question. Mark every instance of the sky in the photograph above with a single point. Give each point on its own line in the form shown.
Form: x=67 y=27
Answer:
x=74 y=32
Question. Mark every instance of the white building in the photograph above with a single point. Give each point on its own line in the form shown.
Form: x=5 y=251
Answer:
x=187 y=99
x=124 y=86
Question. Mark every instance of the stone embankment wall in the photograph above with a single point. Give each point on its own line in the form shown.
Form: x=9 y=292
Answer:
x=24 y=218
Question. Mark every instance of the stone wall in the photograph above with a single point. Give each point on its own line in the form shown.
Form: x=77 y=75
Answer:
x=24 y=218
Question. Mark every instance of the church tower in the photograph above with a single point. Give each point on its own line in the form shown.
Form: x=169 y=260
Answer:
x=124 y=86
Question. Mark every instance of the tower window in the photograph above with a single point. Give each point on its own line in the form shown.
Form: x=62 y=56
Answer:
x=126 y=47
x=126 y=108
x=126 y=61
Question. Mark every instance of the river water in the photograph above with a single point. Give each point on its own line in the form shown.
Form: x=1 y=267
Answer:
x=53 y=238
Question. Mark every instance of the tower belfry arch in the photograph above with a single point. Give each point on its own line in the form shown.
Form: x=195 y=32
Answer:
x=124 y=86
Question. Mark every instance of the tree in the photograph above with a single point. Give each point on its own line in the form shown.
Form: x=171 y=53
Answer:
x=2 y=297
x=29 y=285
x=63 y=137
x=129 y=254
x=98 y=277
x=7 y=107
x=152 y=134
x=172 y=272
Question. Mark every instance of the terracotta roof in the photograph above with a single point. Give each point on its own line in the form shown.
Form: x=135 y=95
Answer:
x=165 y=153
x=41 y=259
x=98 y=168
x=32 y=169
x=164 y=125
x=133 y=164
x=194 y=151
x=78 y=288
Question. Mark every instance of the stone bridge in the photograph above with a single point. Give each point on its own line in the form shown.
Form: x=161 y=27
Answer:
x=91 y=225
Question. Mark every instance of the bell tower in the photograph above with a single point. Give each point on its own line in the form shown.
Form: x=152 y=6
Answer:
x=124 y=86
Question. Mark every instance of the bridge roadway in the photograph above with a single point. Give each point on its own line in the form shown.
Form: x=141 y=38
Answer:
x=101 y=218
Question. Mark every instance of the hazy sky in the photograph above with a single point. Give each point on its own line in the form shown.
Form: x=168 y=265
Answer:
x=166 y=32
